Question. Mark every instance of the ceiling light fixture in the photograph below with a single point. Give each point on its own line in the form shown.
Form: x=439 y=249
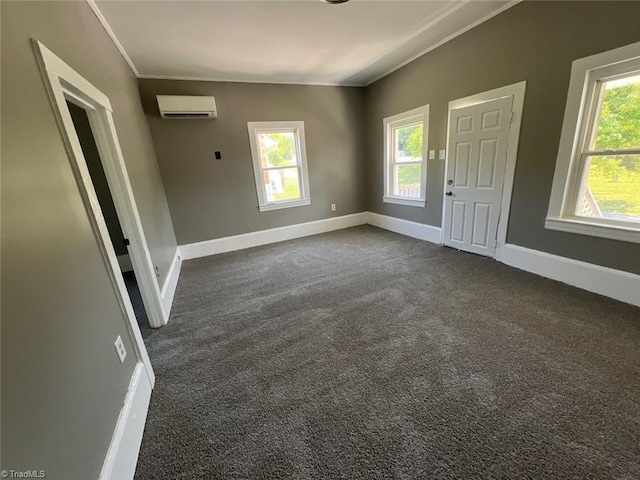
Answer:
x=335 y=2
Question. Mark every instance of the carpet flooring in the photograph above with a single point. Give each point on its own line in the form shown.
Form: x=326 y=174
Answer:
x=365 y=354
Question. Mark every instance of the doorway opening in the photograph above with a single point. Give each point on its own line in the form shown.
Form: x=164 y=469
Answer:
x=65 y=86
x=114 y=225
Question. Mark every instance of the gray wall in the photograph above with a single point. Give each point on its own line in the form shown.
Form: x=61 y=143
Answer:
x=62 y=384
x=216 y=198
x=533 y=41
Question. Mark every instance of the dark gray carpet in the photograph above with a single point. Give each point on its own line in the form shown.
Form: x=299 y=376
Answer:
x=365 y=354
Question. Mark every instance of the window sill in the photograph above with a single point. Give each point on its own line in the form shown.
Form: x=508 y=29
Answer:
x=410 y=202
x=277 y=206
x=573 y=225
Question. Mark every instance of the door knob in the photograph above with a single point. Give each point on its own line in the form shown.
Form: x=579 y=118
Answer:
x=448 y=194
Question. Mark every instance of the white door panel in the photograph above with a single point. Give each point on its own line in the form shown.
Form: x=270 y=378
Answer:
x=479 y=232
x=487 y=159
x=475 y=175
x=461 y=164
x=458 y=211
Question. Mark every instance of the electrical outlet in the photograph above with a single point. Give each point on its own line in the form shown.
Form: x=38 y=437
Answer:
x=441 y=154
x=333 y=207
x=122 y=353
x=157 y=272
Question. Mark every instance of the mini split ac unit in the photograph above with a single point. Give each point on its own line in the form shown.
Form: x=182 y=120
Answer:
x=184 y=106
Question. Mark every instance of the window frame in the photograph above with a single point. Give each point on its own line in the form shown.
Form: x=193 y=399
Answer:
x=297 y=128
x=582 y=108
x=390 y=124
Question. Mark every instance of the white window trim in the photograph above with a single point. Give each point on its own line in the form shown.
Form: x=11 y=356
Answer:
x=297 y=127
x=412 y=116
x=561 y=216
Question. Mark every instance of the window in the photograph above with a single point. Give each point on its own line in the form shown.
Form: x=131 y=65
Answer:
x=279 y=164
x=596 y=189
x=405 y=147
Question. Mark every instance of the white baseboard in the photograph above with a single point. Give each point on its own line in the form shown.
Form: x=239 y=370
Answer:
x=171 y=282
x=623 y=286
x=406 y=227
x=125 y=263
x=273 y=235
x=122 y=456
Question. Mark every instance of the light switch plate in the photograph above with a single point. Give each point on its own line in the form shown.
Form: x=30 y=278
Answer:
x=432 y=154
x=441 y=154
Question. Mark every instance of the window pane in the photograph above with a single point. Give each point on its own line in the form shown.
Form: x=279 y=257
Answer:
x=407 y=181
x=281 y=184
x=611 y=189
x=619 y=116
x=277 y=149
x=408 y=143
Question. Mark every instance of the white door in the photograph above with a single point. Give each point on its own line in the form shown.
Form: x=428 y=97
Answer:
x=478 y=136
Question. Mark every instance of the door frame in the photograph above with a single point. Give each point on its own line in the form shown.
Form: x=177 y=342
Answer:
x=65 y=84
x=517 y=91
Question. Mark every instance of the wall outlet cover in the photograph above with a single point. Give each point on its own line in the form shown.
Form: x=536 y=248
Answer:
x=432 y=154
x=120 y=350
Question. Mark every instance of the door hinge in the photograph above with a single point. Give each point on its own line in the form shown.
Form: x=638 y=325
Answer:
x=513 y=117
x=126 y=242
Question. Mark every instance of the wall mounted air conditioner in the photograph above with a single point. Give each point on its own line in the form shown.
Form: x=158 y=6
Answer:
x=184 y=106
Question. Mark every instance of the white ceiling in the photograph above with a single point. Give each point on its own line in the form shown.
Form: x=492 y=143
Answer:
x=280 y=41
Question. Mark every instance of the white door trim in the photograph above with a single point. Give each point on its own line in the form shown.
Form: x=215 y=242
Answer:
x=517 y=90
x=63 y=83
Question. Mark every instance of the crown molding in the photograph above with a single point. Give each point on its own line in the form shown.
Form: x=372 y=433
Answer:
x=115 y=40
x=269 y=82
